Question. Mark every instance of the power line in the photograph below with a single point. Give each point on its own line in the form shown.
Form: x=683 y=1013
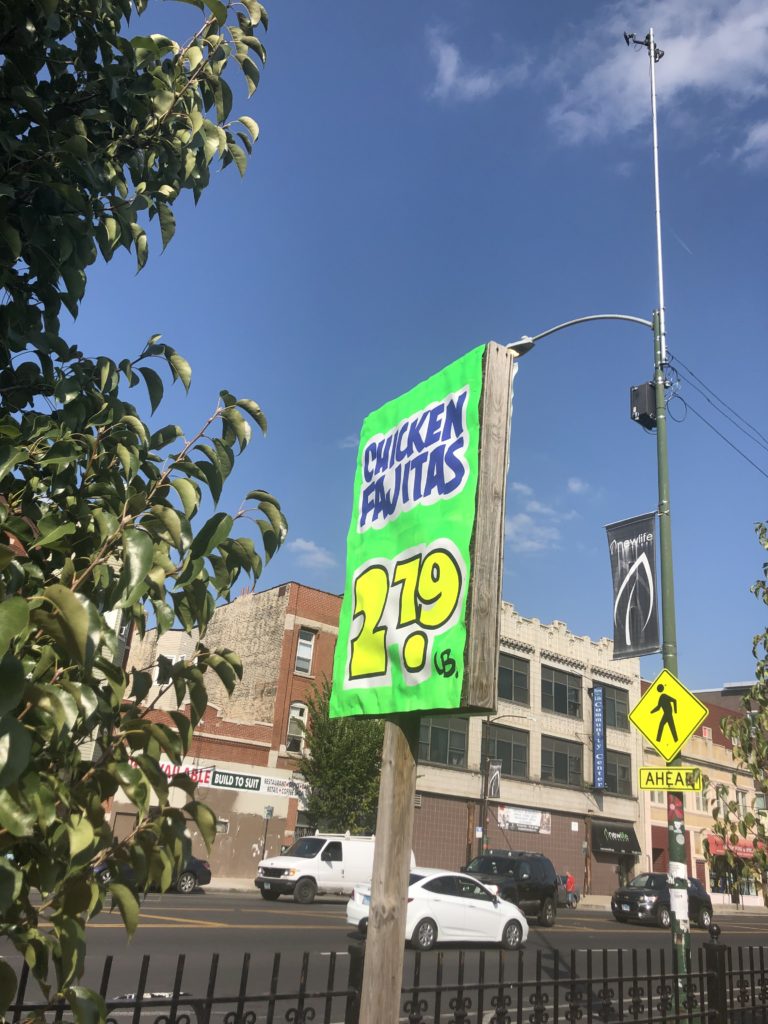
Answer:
x=688 y=406
x=754 y=430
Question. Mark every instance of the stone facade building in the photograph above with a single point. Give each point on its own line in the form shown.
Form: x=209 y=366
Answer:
x=245 y=749
x=541 y=739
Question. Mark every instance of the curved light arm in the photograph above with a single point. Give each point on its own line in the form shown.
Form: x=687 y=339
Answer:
x=527 y=342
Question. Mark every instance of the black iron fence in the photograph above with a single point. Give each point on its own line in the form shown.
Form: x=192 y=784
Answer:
x=724 y=986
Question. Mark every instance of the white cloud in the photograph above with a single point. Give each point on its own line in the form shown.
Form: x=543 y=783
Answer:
x=711 y=50
x=754 y=151
x=350 y=441
x=538 y=509
x=455 y=81
x=310 y=555
x=523 y=489
x=577 y=486
x=526 y=534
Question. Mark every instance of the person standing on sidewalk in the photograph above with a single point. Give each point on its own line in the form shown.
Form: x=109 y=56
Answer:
x=570 y=889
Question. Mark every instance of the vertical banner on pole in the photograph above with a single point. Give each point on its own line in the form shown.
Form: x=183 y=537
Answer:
x=419 y=622
x=598 y=737
x=632 y=547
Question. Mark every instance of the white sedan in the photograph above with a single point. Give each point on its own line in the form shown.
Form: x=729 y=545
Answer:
x=445 y=906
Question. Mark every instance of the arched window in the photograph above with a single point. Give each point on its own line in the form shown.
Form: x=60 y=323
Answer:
x=297 y=721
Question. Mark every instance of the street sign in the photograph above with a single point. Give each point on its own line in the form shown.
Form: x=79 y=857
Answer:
x=667 y=715
x=684 y=779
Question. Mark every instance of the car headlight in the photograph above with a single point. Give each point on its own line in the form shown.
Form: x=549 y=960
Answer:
x=647 y=901
x=290 y=872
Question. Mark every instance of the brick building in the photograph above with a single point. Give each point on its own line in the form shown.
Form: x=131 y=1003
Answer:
x=244 y=750
x=709 y=750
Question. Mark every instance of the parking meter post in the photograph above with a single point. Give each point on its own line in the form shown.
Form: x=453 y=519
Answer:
x=385 y=946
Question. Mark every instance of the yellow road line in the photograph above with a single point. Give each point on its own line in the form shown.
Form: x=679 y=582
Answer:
x=216 y=924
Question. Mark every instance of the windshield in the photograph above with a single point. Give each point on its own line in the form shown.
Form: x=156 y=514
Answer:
x=309 y=846
x=648 y=882
x=483 y=866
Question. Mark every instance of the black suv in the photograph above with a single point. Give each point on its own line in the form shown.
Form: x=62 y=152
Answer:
x=646 y=898
x=527 y=879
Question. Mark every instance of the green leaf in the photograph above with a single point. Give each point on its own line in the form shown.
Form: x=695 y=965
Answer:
x=15 y=750
x=251 y=73
x=254 y=410
x=81 y=835
x=154 y=383
x=11 y=237
x=180 y=369
x=241 y=160
x=13 y=817
x=137 y=561
x=239 y=424
x=11 y=881
x=167 y=223
x=127 y=904
x=8 y=985
x=9 y=457
x=52 y=537
x=189 y=494
x=13 y=682
x=14 y=619
x=251 y=125
x=87 y=1005
x=79 y=621
x=211 y=535
x=165 y=436
x=205 y=820
x=217 y=9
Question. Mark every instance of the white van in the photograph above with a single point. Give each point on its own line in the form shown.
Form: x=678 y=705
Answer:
x=321 y=863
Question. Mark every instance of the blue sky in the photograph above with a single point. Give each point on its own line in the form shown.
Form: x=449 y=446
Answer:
x=431 y=176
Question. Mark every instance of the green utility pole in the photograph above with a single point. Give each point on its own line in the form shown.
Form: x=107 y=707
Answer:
x=678 y=868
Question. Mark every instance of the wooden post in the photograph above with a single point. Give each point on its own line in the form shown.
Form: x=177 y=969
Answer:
x=385 y=946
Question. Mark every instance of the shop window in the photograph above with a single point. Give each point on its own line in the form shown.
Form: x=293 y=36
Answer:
x=297 y=721
x=560 y=692
x=443 y=740
x=561 y=761
x=304 y=650
x=514 y=679
x=510 y=747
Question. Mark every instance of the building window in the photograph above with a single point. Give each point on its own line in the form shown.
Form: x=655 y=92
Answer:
x=561 y=761
x=699 y=801
x=760 y=803
x=616 y=707
x=658 y=796
x=514 y=675
x=560 y=692
x=741 y=802
x=618 y=773
x=510 y=747
x=304 y=649
x=297 y=721
x=443 y=740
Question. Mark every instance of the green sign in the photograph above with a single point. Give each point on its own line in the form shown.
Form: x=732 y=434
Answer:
x=402 y=633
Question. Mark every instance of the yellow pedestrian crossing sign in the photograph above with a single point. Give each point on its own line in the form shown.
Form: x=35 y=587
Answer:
x=667 y=715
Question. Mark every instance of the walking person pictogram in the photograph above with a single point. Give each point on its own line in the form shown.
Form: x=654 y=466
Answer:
x=668 y=707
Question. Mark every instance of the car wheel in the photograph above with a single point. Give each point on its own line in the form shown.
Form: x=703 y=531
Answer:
x=267 y=894
x=424 y=934
x=620 y=918
x=663 y=917
x=512 y=936
x=547 y=913
x=186 y=882
x=705 y=917
x=305 y=890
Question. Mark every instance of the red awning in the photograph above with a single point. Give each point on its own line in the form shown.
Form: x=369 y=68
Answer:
x=743 y=848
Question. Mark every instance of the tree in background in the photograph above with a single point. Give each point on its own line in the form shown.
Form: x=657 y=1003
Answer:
x=342 y=764
x=100 y=133
x=749 y=736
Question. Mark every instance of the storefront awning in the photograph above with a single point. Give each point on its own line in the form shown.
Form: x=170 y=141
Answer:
x=613 y=837
x=743 y=848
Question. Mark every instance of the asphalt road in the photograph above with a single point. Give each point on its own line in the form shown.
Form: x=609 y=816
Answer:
x=234 y=924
